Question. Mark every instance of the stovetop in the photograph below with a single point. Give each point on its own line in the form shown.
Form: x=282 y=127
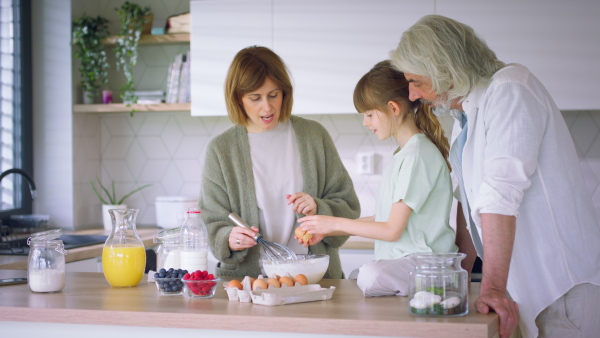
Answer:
x=19 y=247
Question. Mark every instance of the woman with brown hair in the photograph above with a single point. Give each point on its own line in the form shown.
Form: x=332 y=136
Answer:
x=268 y=168
x=415 y=196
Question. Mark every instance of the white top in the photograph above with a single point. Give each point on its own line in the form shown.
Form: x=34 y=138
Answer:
x=277 y=172
x=419 y=176
x=519 y=159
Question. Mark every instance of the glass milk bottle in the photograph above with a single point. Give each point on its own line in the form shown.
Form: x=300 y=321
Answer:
x=123 y=255
x=46 y=262
x=194 y=243
x=169 y=249
x=438 y=285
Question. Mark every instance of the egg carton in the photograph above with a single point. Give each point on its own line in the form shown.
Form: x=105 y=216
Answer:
x=273 y=296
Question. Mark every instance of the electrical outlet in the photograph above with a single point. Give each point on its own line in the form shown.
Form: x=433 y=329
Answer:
x=365 y=163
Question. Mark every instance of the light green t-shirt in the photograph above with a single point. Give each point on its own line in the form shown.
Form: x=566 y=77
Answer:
x=419 y=176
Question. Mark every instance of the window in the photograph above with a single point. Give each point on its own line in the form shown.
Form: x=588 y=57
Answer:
x=15 y=106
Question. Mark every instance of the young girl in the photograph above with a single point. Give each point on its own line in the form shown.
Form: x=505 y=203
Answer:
x=415 y=196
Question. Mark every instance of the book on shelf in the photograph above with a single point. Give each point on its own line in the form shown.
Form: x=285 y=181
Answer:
x=149 y=96
x=184 y=81
x=178 y=80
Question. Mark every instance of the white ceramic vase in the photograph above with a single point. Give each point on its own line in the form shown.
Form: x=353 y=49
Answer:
x=107 y=221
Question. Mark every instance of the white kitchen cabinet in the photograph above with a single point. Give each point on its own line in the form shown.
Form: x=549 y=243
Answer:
x=329 y=45
x=326 y=44
x=557 y=40
x=220 y=28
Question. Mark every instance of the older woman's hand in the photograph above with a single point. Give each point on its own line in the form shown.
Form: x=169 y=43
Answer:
x=302 y=203
x=242 y=238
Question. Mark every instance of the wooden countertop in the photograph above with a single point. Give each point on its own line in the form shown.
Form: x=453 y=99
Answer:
x=11 y=262
x=88 y=299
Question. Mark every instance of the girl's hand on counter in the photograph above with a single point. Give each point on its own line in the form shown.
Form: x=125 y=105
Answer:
x=302 y=203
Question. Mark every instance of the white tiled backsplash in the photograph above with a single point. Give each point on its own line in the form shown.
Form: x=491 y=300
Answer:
x=167 y=150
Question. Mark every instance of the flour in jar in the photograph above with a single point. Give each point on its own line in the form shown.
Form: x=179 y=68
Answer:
x=46 y=280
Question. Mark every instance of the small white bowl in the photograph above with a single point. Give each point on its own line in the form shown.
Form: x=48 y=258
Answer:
x=312 y=266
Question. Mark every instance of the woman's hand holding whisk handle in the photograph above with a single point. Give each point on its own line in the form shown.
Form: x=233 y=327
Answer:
x=242 y=236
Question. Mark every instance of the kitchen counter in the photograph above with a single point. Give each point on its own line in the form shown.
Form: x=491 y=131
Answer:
x=8 y=262
x=88 y=299
x=11 y=262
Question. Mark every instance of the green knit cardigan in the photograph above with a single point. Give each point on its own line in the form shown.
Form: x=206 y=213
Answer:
x=228 y=186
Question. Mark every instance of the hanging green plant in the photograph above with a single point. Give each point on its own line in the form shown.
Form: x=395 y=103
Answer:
x=132 y=17
x=88 y=32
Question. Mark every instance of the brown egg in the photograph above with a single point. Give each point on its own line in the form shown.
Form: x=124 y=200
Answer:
x=301 y=279
x=235 y=284
x=303 y=235
x=259 y=284
x=274 y=282
x=286 y=280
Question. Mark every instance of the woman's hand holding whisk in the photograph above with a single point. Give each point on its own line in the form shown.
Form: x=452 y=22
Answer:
x=242 y=238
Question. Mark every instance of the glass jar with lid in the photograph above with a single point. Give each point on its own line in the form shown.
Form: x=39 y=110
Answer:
x=169 y=249
x=46 y=262
x=438 y=285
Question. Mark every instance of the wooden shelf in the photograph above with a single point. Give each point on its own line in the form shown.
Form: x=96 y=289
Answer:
x=147 y=39
x=122 y=108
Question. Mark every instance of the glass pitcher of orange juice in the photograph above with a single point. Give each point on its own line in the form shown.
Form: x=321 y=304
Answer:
x=123 y=255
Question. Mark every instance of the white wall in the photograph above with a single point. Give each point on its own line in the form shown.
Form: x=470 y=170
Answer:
x=52 y=110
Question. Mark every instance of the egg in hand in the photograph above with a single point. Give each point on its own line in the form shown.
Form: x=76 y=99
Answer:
x=303 y=235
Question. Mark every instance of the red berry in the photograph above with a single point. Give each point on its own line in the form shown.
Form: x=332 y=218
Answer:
x=187 y=276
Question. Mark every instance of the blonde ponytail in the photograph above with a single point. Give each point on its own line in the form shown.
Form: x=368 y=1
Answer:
x=428 y=123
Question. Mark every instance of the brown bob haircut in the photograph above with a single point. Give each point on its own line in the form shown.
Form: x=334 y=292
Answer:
x=248 y=72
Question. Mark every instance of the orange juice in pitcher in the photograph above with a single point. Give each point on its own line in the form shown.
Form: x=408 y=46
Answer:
x=123 y=255
x=123 y=265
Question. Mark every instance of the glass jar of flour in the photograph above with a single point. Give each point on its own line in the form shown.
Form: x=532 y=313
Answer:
x=46 y=262
x=169 y=249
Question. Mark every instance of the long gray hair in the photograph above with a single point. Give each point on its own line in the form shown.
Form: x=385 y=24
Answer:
x=448 y=52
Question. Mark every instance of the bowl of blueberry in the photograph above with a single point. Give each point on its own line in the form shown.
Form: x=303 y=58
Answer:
x=169 y=281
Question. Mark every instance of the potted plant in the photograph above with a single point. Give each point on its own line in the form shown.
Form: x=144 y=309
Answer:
x=132 y=17
x=88 y=32
x=110 y=201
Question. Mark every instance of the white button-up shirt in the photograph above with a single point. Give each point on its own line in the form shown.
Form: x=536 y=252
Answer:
x=519 y=160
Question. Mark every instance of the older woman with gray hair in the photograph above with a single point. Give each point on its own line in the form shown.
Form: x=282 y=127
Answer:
x=525 y=208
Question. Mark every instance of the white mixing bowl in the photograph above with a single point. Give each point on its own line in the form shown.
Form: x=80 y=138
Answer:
x=312 y=266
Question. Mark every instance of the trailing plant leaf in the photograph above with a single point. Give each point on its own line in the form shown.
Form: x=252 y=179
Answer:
x=87 y=35
x=132 y=18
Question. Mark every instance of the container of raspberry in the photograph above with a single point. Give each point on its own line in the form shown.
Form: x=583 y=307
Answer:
x=200 y=284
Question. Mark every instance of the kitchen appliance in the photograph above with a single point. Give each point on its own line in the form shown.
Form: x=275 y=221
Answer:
x=15 y=243
x=171 y=211
x=274 y=251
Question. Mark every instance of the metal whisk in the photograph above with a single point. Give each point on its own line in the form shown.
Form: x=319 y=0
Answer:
x=273 y=251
